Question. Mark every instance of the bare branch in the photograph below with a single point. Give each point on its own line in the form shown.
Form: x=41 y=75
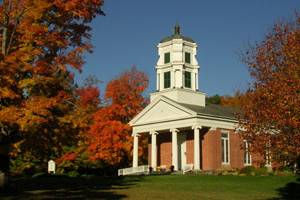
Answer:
x=15 y=28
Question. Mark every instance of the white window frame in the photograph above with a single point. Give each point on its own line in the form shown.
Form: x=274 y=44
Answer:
x=224 y=147
x=248 y=160
x=165 y=58
x=190 y=57
x=268 y=159
x=164 y=79
x=191 y=74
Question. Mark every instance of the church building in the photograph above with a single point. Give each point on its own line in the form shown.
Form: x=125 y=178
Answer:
x=184 y=131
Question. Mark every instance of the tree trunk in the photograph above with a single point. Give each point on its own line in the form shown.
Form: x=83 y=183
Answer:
x=4 y=39
x=4 y=164
x=2 y=180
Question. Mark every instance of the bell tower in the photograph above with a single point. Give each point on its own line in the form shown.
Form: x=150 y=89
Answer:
x=177 y=70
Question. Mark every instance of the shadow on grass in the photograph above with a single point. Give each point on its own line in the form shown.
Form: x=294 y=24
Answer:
x=291 y=191
x=61 y=187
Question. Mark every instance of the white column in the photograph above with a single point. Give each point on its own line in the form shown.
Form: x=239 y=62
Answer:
x=193 y=81
x=153 y=150
x=173 y=78
x=196 y=80
x=135 y=149
x=158 y=81
x=174 y=149
x=161 y=80
x=178 y=81
x=196 y=147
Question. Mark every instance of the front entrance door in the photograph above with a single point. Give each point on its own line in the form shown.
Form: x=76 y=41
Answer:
x=181 y=151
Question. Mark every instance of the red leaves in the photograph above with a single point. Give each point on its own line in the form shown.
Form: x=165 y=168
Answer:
x=85 y=9
x=271 y=108
x=110 y=141
x=125 y=93
x=89 y=95
x=41 y=40
x=233 y=101
x=70 y=156
x=110 y=135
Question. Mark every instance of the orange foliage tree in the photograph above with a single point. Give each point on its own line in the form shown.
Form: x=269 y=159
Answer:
x=271 y=118
x=110 y=135
x=40 y=41
x=237 y=100
x=75 y=156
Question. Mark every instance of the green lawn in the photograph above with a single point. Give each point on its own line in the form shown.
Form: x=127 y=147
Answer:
x=170 y=187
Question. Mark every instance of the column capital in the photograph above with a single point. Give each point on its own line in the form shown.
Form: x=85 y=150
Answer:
x=213 y=128
x=153 y=133
x=174 y=130
x=196 y=127
x=135 y=135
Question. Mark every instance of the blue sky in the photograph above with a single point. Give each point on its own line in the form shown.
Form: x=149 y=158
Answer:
x=131 y=29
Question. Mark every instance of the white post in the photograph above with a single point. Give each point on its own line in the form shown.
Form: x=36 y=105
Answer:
x=153 y=150
x=178 y=80
x=158 y=82
x=174 y=149
x=173 y=78
x=196 y=79
x=135 y=149
x=197 y=147
x=51 y=167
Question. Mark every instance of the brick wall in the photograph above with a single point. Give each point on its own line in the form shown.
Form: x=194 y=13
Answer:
x=236 y=151
x=190 y=147
x=149 y=151
x=164 y=149
x=211 y=150
x=210 y=158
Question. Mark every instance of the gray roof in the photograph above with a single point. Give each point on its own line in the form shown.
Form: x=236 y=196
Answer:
x=171 y=37
x=214 y=110
x=176 y=35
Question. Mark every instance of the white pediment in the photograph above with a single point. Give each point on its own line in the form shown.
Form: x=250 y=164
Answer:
x=162 y=109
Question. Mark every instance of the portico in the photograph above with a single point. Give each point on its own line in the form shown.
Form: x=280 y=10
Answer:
x=178 y=147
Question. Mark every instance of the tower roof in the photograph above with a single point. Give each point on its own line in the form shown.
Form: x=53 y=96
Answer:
x=177 y=35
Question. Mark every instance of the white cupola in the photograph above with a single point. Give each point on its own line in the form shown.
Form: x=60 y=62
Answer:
x=177 y=70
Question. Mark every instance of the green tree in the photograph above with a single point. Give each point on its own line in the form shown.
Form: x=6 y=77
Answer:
x=216 y=99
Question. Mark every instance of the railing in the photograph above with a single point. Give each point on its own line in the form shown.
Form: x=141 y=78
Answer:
x=143 y=169
x=187 y=168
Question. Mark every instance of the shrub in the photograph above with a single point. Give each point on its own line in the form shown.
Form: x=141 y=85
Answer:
x=26 y=166
x=284 y=171
x=262 y=171
x=73 y=174
x=249 y=170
